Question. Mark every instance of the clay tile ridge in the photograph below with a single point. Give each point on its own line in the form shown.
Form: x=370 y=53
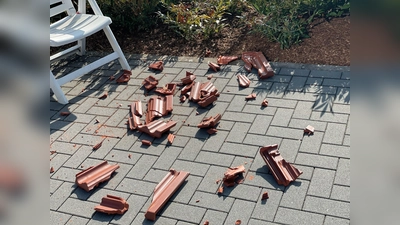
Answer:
x=207 y=100
x=195 y=92
x=156 y=128
x=258 y=60
x=231 y=174
x=187 y=88
x=168 y=89
x=164 y=190
x=214 y=66
x=91 y=177
x=150 y=82
x=283 y=171
x=157 y=66
x=112 y=205
x=224 y=60
x=158 y=106
x=243 y=80
x=136 y=113
x=210 y=121
x=125 y=77
x=189 y=78
x=206 y=88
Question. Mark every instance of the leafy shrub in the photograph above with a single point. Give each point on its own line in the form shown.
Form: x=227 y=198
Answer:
x=130 y=15
x=195 y=19
x=287 y=21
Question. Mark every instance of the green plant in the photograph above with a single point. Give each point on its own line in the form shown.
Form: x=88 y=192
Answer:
x=195 y=19
x=287 y=21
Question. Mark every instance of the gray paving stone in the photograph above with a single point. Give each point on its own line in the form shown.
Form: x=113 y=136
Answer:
x=343 y=172
x=78 y=207
x=237 y=90
x=294 y=72
x=325 y=74
x=101 y=111
x=348 y=127
x=54 y=184
x=225 y=97
x=126 y=141
x=259 y=222
x=106 y=147
x=264 y=180
x=303 y=110
x=76 y=220
x=219 y=107
x=266 y=209
x=136 y=186
x=188 y=66
x=261 y=140
x=184 y=212
x=62 y=193
x=214 y=142
x=312 y=143
x=60 y=125
x=57 y=218
x=329 y=220
x=99 y=194
x=119 y=116
x=65 y=174
x=339 y=108
x=214 y=158
x=141 y=220
x=123 y=157
x=117 y=177
x=346 y=140
x=239 y=117
x=167 y=158
x=69 y=134
x=300 y=96
x=327 y=206
x=142 y=166
x=209 y=184
x=307 y=171
x=345 y=75
x=280 y=78
x=277 y=102
x=191 y=149
x=316 y=160
x=282 y=117
x=240 y=210
x=79 y=118
x=181 y=110
x=155 y=175
x=184 y=223
x=284 y=132
x=260 y=125
x=187 y=190
x=194 y=168
x=238 y=132
x=294 y=194
x=340 y=193
x=321 y=183
x=212 y=201
x=100 y=218
x=335 y=150
x=239 y=149
x=244 y=192
x=289 y=149
x=329 y=117
x=258 y=109
x=54 y=135
x=334 y=133
x=86 y=105
x=292 y=216
x=225 y=125
x=193 y=132
x=237 y=103
x=296 y=84
x=216 y=217
x=58 y=160
x=150 y=150
x=301 y=124
x=314 y=81
x=323 y=92
x=336 y=82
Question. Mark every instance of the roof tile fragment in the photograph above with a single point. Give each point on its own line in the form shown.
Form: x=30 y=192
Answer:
x=156 y=128
x=251 y=96
x=112 y=205
x=210 y=121
x=157 y=66
x=91 y=177
x=231 y=174
x=214 y=66
x=158 y=106
x=168 y=89
x=243 y=80
x=150 y=82
x=257 y=60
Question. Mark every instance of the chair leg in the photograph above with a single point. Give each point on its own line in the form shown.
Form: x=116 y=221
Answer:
x=57 y=90
x=82 y=46
x=114 y=44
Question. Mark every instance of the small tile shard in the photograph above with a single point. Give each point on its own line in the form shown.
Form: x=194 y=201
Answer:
x=130 y=156
x=209 y=77
x=214 y=66
x=251 y=96
x=171 y=138
x=146 y=142
x=125 y=77
x=112 y=205
x=52 y=170
x=232 y=174
x=210 y=121
x=238 y=222
x=309 y=130
x=150 y=82
x=206 y=222
x=224 y=60
x=168 y=89
x=64 y=113
x=264 y=103
x=98 y=145
x=182 y=98
x=220 y=190
x=243 y=80
x=104 y=96
x=159 y=65
x=187 y=88
x=264 y=196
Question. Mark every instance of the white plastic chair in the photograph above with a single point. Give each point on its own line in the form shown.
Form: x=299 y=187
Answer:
x=75 y=27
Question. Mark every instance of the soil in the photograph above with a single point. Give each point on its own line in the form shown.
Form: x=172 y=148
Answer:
x=329 y=43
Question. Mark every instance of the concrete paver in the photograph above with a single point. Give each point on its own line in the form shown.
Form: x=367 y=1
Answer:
x=298 y=95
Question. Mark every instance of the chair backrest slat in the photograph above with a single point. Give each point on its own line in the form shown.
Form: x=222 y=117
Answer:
x=66 y=5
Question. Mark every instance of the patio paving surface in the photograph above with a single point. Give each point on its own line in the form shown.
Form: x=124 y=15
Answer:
x=298 y=95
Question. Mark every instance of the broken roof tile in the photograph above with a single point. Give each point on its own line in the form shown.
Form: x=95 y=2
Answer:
x=264 y=196
x=168 y=89
x=210 y=121
x=158 y=106
x=164 y=190
x=251 y=96
x=136 y=108
x=207 y=100
x=264 y=103
x=309 y=130
x=98 y=145
x=146 y=142
x=187 y=88
x=189 y=78
x=171 y=138
x=214 y=66
x=212 y=131
x=243 y=80
x=112 y=205
x=156 y=128
x=257 y=60
x=231 y=174
x=283 y=172
x=209 y=77
x=182 y=98
x=206 y=88
x=125 y=77
x=220 y=190
x=91 y=177
x=104 y=96
x=195 y=92
x=223 y=60
x=157 y=66
x=150 y=82
x=134 y=122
